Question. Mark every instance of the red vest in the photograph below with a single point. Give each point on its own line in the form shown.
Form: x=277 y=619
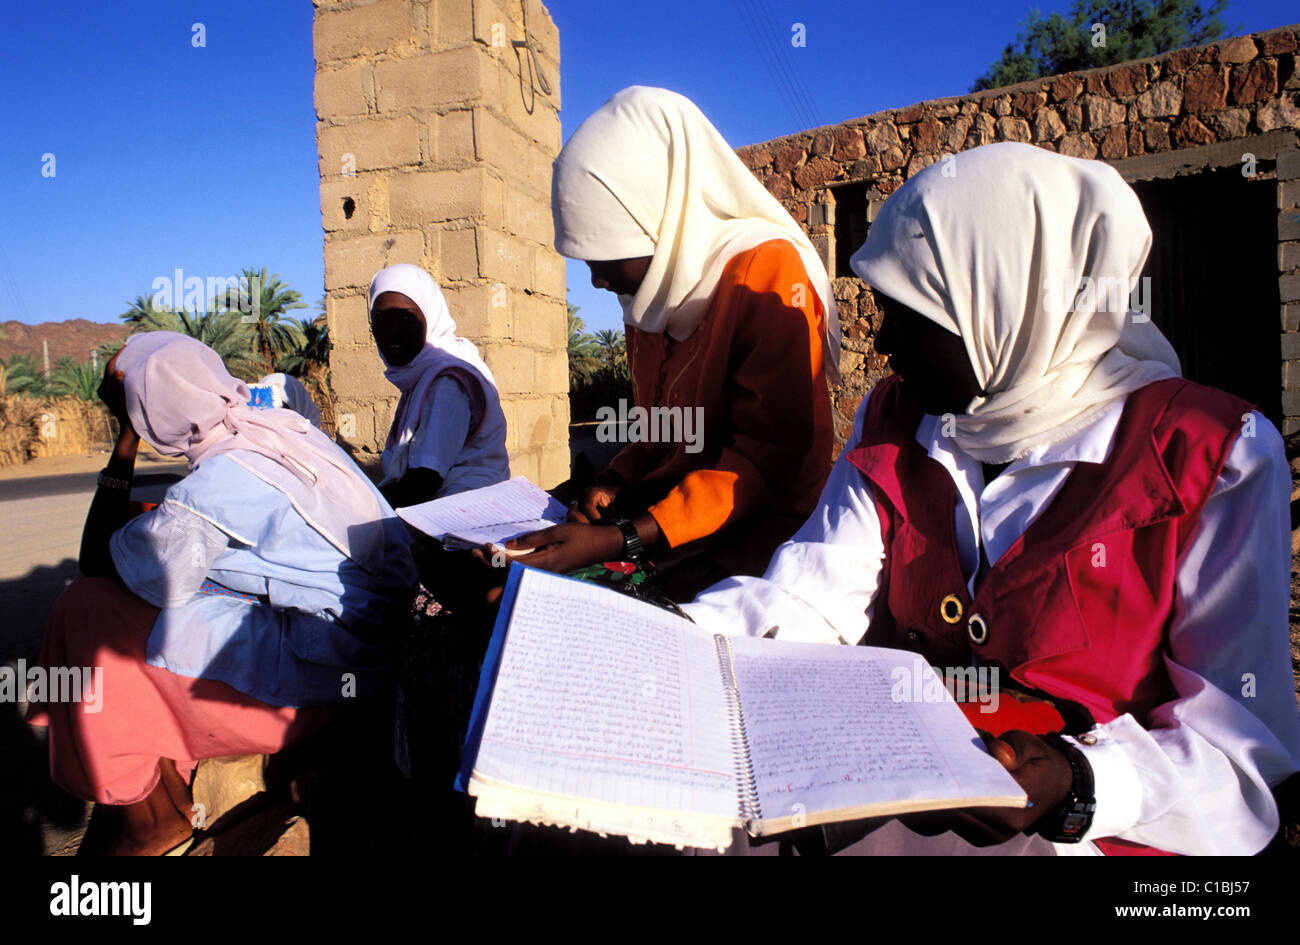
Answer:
x=1079 y=608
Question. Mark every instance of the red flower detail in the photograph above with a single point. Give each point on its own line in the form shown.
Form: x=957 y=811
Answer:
x=622 y=567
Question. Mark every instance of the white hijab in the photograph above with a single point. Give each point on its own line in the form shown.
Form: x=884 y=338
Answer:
x=182 y=401
x=996 y=253
x=443 y=349
x=648 y=175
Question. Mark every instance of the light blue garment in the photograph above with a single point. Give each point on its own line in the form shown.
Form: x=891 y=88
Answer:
x=326 y=621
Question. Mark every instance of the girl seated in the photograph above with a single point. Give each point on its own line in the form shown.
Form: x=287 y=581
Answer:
x=449 y=433
x=263 y=588
x=1037 y=490
x=730 y=318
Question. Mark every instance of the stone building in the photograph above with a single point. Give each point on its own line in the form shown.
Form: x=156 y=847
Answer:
x=436 y=128
x=1207 y=136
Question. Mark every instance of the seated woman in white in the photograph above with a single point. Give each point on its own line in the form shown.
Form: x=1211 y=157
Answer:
x=449 y=433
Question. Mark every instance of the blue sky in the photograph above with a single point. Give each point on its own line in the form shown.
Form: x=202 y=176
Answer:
x=170 y=156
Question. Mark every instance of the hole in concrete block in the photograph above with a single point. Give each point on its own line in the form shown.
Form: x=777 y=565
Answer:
x=349 y=208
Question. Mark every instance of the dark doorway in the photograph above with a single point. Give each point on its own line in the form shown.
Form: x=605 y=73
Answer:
x=1213 y=270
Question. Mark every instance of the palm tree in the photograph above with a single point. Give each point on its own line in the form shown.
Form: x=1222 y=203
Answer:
x=584 y=360
x=72 y=379
x=312 y=351
x=275 y=335
x=22 y=376
x=613 y=345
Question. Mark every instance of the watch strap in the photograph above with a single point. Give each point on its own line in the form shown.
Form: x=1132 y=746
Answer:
x=1071 y=820
x=633 y=549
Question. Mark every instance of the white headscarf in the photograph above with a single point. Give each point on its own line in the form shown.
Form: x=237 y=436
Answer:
x=442 y=350
x=648 y=175
x=294 y=396
x=181 y=401
x=997 y=254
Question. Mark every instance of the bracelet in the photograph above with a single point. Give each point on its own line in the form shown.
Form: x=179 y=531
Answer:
x=633 y=549
x=105 y=481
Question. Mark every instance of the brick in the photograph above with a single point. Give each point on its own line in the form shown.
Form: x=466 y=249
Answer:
x=1240 y=49
x=823 y=144
x=1026 y=104
x=538 y=322
x=458 y=254
x=1288 y=225
x=534 y=422
x=910 y=113
x=360 y=376
x=755 y=157
x=1290 y=406
x=373 y=144
x=502 y=258
x=981 y=131
x=1288 y=194
x=341 y=93
x=549 y=273
x=428 y=196
x=779 y=186
x=519 y=160
x=333 y=205
x=925 y=135
x=1157 y=136
x=552 y=374
x=1289 y=290
x=542 y=124
x=513 y=367
x=1102 y=112
x=1288 y=256
x=1072 y=112
x=447 y=77
x=452 y=137
x=348 y=318
x=1290 y=317
x=528 y=217
x=351 y=261
x=362 y=31
x=477 y=316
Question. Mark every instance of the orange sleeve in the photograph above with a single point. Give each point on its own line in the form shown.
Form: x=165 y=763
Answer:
x=775 y=397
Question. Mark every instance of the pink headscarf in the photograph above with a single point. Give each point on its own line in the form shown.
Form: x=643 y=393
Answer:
x=183 y=402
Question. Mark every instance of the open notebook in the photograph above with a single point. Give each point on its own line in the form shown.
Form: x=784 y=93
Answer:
x=491 y=515
x=600 y=712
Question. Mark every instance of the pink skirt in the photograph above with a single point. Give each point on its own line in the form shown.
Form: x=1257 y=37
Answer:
x=106 y=746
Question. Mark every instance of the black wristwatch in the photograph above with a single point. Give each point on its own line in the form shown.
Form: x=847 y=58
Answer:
x=633 y=550
x=1071 y=820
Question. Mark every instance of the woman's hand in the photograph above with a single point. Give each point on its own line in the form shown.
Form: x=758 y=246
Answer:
x=1042 y=772
x=570 y=546
x=113 y=394
x=591 y=503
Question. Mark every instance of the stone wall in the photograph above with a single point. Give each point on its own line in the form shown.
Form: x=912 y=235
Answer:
x=436 y=138
x=1195 y=107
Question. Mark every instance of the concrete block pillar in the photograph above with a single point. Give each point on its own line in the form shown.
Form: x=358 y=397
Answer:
x=436 y=133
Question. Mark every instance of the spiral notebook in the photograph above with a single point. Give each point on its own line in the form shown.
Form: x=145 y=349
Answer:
x=599 y=712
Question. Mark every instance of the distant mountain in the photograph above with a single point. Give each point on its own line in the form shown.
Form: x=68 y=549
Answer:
x=75 y=338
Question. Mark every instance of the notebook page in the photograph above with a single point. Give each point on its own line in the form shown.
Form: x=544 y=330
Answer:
x=826 y=733
x=601 y=697
x=516 y=500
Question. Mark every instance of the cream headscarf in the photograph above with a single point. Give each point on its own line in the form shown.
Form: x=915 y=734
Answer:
x=443 y=351
x=182 y=401
x=647 y=175
x=996 y=253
